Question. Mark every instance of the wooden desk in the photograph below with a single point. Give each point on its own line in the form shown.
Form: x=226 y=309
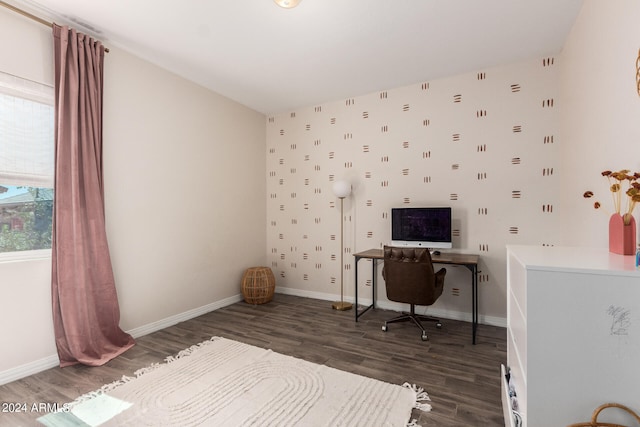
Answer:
x=470 y=261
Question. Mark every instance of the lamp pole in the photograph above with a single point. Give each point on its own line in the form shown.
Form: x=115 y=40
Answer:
x=342 y=189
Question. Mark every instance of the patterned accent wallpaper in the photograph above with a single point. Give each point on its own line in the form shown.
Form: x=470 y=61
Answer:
x=484 y=143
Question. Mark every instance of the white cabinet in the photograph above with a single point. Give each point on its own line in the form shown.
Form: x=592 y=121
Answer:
x=573 y=333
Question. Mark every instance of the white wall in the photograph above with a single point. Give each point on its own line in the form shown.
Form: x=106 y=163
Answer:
x=27 y=48
x=25 y=307
x=466 y=141
x=184 y=193
x=185 y=198
x=600 y=125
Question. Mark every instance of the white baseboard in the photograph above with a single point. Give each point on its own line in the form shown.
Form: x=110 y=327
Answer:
x=30 y=368
x=52 y=361
x=181 y=317
x=388 y=305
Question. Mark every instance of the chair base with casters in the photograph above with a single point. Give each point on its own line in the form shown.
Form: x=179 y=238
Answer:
x=415 y=318
x=411 y=279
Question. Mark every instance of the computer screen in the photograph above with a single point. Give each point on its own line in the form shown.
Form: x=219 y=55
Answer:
x=428 y=227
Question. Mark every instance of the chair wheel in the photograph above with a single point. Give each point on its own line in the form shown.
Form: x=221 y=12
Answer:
x=384 y=328
x=424 y=336
x=439 y=325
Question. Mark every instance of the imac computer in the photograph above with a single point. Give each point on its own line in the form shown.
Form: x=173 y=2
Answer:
x=426 y=227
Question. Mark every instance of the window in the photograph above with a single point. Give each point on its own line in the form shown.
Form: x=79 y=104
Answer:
x=26 y=164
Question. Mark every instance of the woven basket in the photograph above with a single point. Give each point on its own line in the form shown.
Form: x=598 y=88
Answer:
x=258 y=285
x=594 y=418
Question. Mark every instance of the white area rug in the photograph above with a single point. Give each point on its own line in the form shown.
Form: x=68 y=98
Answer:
x=227 y=383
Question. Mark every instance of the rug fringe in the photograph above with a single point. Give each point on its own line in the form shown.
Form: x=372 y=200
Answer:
x=125 y=379
x=147 y=369
x=188 y=351
x=172 y=358
x=102 y=390
x=421 y=396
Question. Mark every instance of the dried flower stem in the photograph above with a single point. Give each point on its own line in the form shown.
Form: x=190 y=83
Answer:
x=615 y=187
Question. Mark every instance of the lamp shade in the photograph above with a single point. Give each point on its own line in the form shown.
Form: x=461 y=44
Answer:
x=287 y=4
x=341 y=189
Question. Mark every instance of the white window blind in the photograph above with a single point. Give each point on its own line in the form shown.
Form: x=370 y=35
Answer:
x=26 y=132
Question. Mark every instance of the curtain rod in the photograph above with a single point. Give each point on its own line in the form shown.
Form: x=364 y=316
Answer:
x=30 y=16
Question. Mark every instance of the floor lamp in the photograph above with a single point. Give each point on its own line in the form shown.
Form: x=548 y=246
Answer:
x=341 y=189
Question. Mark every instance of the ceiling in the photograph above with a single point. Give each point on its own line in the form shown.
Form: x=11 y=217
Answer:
x=275 y=60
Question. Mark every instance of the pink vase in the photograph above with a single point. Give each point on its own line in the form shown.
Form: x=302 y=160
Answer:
x=622 y=238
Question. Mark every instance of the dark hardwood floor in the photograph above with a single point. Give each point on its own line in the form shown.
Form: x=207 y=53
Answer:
x=462 y=379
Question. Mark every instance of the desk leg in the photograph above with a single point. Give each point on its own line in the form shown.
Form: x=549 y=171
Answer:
x=356 y=286
x=373 y=283
x=373 y=290
x=474 y=301
x=474 y=295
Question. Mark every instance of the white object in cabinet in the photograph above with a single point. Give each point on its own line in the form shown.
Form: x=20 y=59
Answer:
x=573 y=333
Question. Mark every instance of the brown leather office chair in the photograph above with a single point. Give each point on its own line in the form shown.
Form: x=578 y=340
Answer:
x=410 y=278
